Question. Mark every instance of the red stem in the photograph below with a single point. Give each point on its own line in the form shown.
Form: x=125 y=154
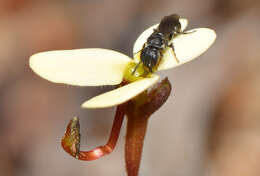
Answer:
x=109 y=147
x=136 y=129
x=138 y=112
x=99 y=151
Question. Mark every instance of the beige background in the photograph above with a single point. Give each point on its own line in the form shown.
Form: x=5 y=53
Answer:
x=209 y=125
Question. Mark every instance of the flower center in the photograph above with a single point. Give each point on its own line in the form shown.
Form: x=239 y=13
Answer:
x=130 y=75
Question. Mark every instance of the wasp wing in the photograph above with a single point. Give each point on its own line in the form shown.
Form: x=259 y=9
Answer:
x=81 y=67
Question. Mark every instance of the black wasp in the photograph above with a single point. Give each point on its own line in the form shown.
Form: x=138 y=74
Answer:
x=158 y=41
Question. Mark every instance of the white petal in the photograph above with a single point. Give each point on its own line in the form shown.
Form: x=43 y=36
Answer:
x=120 y=95
x=81 y=67
x=143 y=37
x=187 y=47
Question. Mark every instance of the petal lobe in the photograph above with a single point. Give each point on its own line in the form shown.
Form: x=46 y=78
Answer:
x=81 y=67
x=187 y=47
x=120 y=95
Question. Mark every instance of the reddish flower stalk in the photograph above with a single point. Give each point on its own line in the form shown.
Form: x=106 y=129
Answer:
x=71 y=139
x=136 y=129
x=138 y=112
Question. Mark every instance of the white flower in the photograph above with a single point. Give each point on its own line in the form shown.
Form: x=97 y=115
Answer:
x=96 y=67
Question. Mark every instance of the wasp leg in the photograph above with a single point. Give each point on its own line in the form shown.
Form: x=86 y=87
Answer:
x=136 y=67
x=146 y=72
x=155 y=30
x=187 y=32
x=140 y=49
x=150 y=70
x=172 y=47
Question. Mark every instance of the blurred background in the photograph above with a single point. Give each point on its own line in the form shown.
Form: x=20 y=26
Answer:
x=209 y=126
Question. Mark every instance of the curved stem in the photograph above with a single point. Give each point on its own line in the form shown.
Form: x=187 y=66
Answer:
x=71 y=139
